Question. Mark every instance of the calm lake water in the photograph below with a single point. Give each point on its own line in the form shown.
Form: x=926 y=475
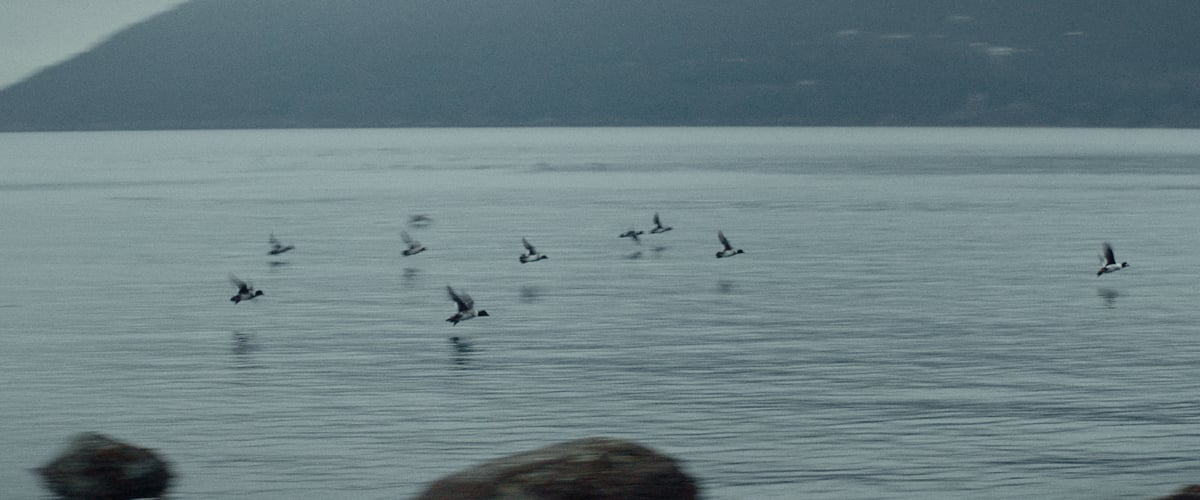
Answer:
x=916 y=315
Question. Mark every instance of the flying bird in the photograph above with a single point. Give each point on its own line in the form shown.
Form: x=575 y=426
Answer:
x=277 y=247
x=1108 y=263
x=414 y=246
x=466 y=307
x=246 y=291
x=658 y=227
x=728 y=251
x=633 y=233
x=532 y=255
x=420 y=220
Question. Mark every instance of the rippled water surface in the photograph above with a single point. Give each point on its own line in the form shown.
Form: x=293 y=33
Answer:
x=916 y=315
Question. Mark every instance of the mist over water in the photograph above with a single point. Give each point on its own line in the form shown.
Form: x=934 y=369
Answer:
x=916 y=315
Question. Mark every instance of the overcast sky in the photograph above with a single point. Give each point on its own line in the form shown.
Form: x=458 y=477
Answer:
x=37 y=33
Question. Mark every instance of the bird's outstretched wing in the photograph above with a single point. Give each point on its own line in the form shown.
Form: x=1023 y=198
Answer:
x=724 y=241
x=528 y=246
x=1108 y=257
x=242 y=286
x=463 y=300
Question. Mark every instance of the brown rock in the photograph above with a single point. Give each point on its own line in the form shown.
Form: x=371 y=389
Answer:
x=96 y=467
x=1189 y=493
x=587 y=469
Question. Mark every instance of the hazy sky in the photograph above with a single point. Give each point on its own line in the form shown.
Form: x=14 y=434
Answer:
x=37 y=33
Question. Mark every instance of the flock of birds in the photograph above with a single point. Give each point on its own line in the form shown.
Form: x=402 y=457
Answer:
x=464 y=303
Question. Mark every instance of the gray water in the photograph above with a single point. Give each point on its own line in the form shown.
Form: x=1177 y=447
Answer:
x=916 y=315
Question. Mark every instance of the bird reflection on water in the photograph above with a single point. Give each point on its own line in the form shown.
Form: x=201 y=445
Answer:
x=462 y=350
x=530 y=293
x=1109 y=295
x=243 y=347
x=243 y=343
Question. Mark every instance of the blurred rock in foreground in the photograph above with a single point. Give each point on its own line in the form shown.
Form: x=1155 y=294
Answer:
x=587 y=469
x=1189 y=493
x=97 y=467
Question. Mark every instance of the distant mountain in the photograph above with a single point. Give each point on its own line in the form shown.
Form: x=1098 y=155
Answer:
x=390 y=63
